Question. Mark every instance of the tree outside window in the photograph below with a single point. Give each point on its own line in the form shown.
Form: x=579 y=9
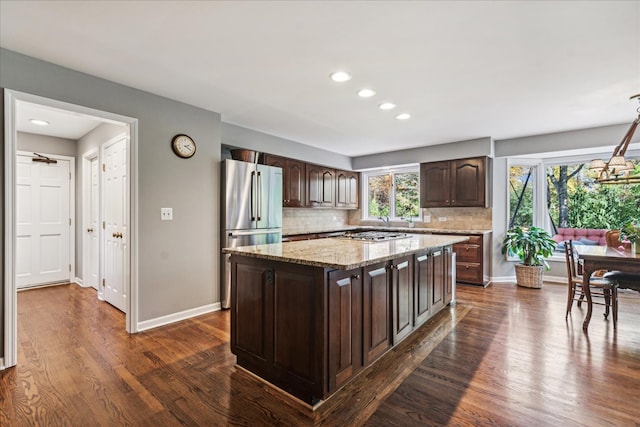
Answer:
x=394 y=194
x=575 y=200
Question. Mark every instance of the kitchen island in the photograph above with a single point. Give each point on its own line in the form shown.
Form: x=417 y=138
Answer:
x=308 y=316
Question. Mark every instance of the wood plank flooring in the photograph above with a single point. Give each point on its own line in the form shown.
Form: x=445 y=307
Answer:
x=501 y=356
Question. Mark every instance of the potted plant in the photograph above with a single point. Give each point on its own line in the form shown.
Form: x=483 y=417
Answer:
x=531 y=245
x=631 y=231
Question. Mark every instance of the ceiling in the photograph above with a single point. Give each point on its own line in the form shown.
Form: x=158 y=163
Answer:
x=463 y=70
x=62 y=124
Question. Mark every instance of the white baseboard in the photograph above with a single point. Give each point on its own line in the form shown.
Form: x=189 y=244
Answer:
x=504 y=279
x=176 y=317
x=2 y=367
x=555 y=279
x=79 y=282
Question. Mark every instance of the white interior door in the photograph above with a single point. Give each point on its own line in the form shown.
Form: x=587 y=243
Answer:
x=91 y=218
x=43 y=221
x=115 y=214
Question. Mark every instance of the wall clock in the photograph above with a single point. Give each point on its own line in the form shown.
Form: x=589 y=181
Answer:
x=183 y=146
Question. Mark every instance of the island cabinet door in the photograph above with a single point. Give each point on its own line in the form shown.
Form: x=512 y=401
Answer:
x=376 y=311
x=447 y=276
x=252 y=310
x=438 y=291
x=402 y=297
x=345 y=326
x=423 y=285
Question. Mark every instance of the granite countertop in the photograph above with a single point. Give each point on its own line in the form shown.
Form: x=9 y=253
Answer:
x=344 y=254
x=416 y=230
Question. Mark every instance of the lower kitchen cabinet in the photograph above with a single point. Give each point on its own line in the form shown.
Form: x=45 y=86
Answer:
x=345 y=326
x=473 y=259
x=377 y=307
x=310 y=330
x=402 y=285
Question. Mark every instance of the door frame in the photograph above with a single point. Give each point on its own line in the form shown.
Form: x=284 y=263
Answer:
x=87 y=157
x=11 y=98
x=72 y=207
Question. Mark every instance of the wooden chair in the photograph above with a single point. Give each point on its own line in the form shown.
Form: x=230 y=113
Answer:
x=600 y=287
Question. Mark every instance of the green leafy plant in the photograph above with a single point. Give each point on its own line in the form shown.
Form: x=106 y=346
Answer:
x=631 y=230
x=532 y=245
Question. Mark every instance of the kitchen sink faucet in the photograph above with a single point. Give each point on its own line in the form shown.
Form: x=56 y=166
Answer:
x=386 y=221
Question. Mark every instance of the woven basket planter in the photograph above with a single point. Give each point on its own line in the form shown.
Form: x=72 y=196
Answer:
x=529 y=276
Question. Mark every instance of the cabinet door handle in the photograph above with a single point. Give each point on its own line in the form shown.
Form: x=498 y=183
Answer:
x=356 y=277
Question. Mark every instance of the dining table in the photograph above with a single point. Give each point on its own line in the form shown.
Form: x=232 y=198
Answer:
x=596 y=258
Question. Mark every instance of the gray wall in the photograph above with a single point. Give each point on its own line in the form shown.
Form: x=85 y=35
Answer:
x=176 y=258
x=44 y=144
x=237 y=136
x=91 y=141
x=432 y=153
x=593 y=138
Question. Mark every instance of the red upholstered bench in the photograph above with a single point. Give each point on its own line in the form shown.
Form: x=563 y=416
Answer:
x=586 y=236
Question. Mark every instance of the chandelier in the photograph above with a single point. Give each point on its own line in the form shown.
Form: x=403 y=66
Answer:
x=618 y=170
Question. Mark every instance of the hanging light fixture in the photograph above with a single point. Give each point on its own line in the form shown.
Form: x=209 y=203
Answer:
x=618 y=170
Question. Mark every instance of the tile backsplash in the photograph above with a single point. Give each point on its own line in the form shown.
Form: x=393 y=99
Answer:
x=454 y=219
x=300 y=219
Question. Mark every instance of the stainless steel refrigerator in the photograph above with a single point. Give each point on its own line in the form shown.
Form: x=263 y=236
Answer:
x=251 y=212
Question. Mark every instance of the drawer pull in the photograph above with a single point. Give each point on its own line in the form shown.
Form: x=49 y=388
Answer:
x=422 y=258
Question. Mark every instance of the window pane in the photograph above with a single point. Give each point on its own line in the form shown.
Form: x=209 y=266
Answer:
x=521 y=185
x=407 y=197
x=576 y=201
x=379 y=195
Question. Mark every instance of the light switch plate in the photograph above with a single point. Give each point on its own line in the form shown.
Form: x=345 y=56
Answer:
x=442 y=218
x=426 y=218
x=166 y=214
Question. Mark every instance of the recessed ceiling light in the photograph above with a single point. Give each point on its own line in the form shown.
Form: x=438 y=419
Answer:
x=403 y=116
x=39 y=122
x=387 y=106
x=366 y=93
x=340 y=76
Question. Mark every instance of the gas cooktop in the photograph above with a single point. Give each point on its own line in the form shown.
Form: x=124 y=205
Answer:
x=374 y=236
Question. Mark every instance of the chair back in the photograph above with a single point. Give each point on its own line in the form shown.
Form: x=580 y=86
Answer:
x=612 y=237
x=572 y=263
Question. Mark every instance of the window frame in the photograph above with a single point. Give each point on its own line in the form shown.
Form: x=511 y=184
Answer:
x=392 y=197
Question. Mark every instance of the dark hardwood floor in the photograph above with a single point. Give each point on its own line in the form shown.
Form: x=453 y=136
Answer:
x=501 y=356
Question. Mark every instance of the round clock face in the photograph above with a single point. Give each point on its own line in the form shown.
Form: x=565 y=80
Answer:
x=183 y=146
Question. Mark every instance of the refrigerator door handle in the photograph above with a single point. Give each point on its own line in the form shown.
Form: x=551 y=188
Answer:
x=252 y=196
x=259 y=197
x=235 y=234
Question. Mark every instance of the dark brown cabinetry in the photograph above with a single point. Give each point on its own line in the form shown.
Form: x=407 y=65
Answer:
x=345 y=326
x=423 y=287
x=402 y=286
x=321 y=186
x=347 y=186
x=472 y=259
x=376 y=311
x=309 y=330
x=275 y=320
x=309 y=185
x=454 y=183
x=294 y=180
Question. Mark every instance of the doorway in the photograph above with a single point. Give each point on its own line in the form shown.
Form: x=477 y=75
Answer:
x=128 y=256
x=44 y=217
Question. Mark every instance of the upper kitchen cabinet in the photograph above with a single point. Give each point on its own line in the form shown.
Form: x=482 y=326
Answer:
x=321 y=186
x=347 y=185
x=293 y=177
x=454 y=183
